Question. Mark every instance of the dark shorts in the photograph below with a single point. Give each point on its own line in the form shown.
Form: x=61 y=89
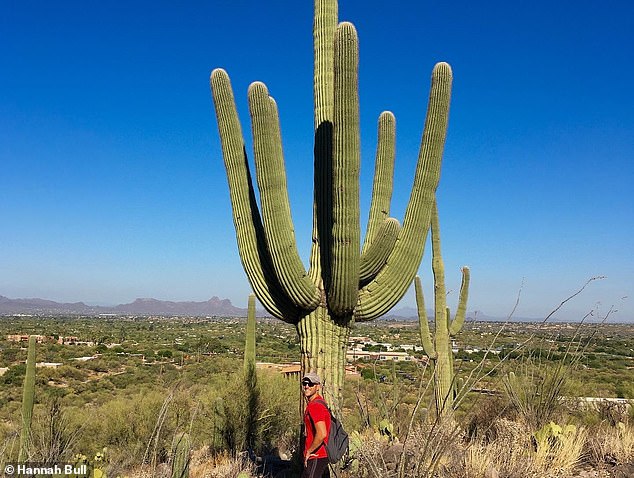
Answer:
x=316 y=468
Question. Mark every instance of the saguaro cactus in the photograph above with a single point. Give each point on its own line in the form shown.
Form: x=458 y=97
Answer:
x=28 y=396
x=344 y=283
x=438 y=348
x=249 y=345
x=251 y=378
x=181 y=448
x=219 y=425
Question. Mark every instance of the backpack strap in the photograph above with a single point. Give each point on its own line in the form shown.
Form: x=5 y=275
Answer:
x=323 y=402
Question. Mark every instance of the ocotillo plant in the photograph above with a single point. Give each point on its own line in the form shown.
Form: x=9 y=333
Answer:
x=28 y=396
x=345 y=282
x=438 y=348
x=249 y=343
x=181 y=449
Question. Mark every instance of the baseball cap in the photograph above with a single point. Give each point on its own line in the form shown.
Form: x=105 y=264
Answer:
x=312 y=377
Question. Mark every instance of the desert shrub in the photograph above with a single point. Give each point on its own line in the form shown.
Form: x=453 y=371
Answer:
x=428 y=450
x=74 y=373
x=483 y=415
x=14 y=376
x=240 y=416
x=53 y=436
x=612 y=413
x=221 y=465
x=535 y=390
x=136 y=429
x=515 y=453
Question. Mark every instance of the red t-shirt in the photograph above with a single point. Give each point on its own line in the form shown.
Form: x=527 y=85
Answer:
x=319 y=413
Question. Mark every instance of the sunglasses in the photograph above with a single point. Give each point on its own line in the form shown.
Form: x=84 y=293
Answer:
x=308 y=384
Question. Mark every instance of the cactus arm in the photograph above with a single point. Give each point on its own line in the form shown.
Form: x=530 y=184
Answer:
x=249 y=344
x=458 y=321
x=375 y=256
x=276 y=211
x=324 y=26
x=389 y=286
x=383 y=178
x=246 y=217
x=28 y=397
x=425 y=334
x=343 y=287
x=438 y=269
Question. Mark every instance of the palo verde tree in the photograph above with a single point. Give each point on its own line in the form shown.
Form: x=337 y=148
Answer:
x=438 y=346
x=345 y=282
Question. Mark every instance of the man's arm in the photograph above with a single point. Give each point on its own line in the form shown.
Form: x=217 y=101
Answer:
x=318 y=439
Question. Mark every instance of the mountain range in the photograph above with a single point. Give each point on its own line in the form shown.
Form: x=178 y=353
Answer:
x=212 y=307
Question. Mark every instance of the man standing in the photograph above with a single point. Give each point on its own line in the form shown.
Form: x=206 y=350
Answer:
x=317 y=427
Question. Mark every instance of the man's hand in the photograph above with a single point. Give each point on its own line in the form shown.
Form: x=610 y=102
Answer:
x=307 y=457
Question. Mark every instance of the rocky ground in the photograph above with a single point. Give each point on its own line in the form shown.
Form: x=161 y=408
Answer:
x=619 y=471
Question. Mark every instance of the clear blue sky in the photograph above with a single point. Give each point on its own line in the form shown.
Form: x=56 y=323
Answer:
x=112 y=185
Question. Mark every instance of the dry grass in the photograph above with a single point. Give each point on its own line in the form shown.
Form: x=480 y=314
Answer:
x=443 y=452
x=220 y=466
x=203 y=465
x=560 y=457
x=612 y=445
x=429 y=446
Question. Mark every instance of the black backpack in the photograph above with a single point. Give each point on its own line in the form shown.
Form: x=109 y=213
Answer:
x=337 y=444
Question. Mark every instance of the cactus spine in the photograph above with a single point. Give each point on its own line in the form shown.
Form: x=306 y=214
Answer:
x=344 y=282
x=181 y=456
x=439 y=348
x=249 y=346
x=28 y=396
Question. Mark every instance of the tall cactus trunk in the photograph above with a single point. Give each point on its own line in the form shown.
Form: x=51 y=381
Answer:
x=28 y=397
x=323 y=343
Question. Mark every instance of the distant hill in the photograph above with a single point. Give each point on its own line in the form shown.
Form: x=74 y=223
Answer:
x=214 y=306
x=410 y=313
